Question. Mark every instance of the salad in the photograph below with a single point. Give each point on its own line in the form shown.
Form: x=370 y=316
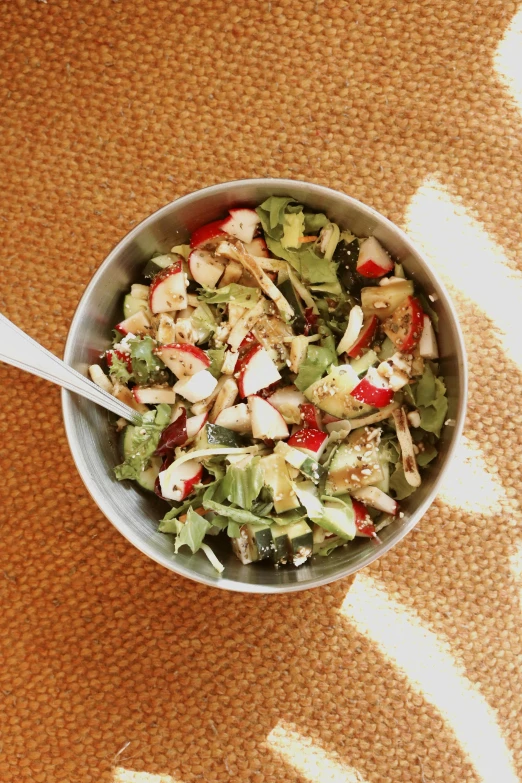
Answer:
x=287 y=379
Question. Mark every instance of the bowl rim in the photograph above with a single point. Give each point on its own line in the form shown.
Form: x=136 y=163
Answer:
x=222 y=582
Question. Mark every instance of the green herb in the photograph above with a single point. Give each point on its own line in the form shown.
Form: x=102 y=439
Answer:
x=145 y=439
x=118 y=369
x=146 y=366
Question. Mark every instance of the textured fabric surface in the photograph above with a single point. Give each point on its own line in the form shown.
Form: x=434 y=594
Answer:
x=113 y=669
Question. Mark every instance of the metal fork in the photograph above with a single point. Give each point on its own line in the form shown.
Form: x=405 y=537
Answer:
x=20 y=350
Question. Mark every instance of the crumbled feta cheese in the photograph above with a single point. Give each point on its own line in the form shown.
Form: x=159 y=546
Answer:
x=379 y=305
x=414 y=418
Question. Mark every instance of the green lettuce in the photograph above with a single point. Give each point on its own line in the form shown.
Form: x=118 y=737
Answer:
x=145 y=439
x=241 y=486
x=425 y=456
x=203 y=320
x=293 y=229
x=213 y=500
x=314 y=222
x=317 y=360
x=312 y=268
x=217 y=357
x=238 y=294
x=431 y=400
x=192 y=532
x=146 y=366
x=170 y=522
x=399 y=485
x=233 y=529
x=118 y=370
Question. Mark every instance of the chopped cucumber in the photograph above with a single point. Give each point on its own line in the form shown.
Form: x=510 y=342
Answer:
x=160 y=262
x=355 y=464
x=364 y=362
x=333 y=393
x=307 y=465
x=214 y=435
x=133 y=305
x=259 y=540
x=387 y=350
x=300 y=541
x=383 y=300
x=277 y=480
x=279 y=553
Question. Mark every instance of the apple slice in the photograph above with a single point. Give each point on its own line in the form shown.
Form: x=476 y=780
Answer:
x=195 y=388
x=258 y=248
x=405 y=326
x=183 y=359
x=256 y=371
x=241 y=223
x=100 y=379
x=363 y=522
x=195 y=424
x=373 y=390
x=204 y=268
x=364 y=337
x=311 y=442
x=310 y=416
x=373 y=259
x=376 y=498
x=236 y=418
x=267 y=422
x=178 y=484
x=168 y=290
x=205 y=233
x=154 y=395
x=353 y=330
x=138 y=323
x=288 y=402
x=428 y=342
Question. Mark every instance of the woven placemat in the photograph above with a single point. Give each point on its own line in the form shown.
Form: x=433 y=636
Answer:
x=113 y=670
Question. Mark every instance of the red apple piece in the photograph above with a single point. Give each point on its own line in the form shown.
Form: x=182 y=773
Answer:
x=154 y=395
x=256 y=371
x=204 y=268
x=267 y=422
x=195 y=388
x=405 y=326
x=373 y=259
x=373 y=390
x=206 y=233
x=257 y=248
x=376 y=498
x=168 y=290
x=311 y=416
x=195 y=424
x=309 y=441
x=178 y=485
x=241 y=223
x=236 y=418
x=135 y=324
x=364 y=337
x=183 y=359
x=363 y=522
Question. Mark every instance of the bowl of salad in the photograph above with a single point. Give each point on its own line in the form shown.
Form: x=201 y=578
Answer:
x=300 y=377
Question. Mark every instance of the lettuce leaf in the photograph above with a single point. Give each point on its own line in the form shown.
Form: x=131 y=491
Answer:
x=399 y=485
x=203 y=319
x=217 y=357
x=314 y=222
x=241 y=486
x=293 y=229
x=239 y=294
x=317 y=360
x=425 y=456
x=145 y=439
x=170 y=522
x=239 y=515
x=233 y=529
x=118 y=370
x=312 y=268
x=272 y=211
x=146 y=367
x=192 y=532
x=430 y=396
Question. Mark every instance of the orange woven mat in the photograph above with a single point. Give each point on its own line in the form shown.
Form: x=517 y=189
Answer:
x=113 y=670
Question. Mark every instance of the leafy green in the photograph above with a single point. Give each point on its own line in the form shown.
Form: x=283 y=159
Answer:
x=217 y=357
x=293 y=229
x=317 y=360
x=192 y=532
x=328 y=345
x=118 y=369
x=331 y=234
x=329 y=548
x=239 y=294
x=272 y=211
x=425 y=456
x=146 y=367
x=215 y=466
x=430 y=396
x=239 y=515
x=170 y=522
x=145 y=439
x=399 y=484
x=290 y=517
x=314 y=222
x=233 y=529
x=389 y=449
x=203 y=320
x=241 y=486
x=311 y=267
x=428 y=309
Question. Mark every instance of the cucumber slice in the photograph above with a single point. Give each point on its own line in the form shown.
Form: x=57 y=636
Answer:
x=277 y=480
x=160 y=262
x=365 y=361
x=279 y=551
x=387 y=350
x=383 y=300
x=302 y=462
x=332 y=393
x=260 y=540
x=355 y=464
x=215 y=435
x=300 y=541
x=147 y=478
x=132 y=305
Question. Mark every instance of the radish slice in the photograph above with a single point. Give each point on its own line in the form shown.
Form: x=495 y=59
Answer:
x=376 y=498
x=236 y=418
x=373 y=390
x=267 y=422
x=373 y=260
x=309 y=441
x=204 y=268
x=256 y=371
x=138 y=323
x=206 y=233
x=183 y=359
x=168 y=290
x=428 y=342
x=196 y=387
x=350 y=337
x=177 y=484
x=195 y=424
x=242 y=224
